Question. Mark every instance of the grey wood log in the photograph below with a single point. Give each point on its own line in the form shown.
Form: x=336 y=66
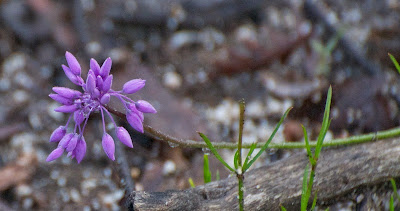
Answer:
x=339 y=171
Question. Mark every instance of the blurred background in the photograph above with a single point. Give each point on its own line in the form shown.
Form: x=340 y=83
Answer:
x=199 y=58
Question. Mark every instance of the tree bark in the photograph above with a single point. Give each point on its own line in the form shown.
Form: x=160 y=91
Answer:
x=339 y=171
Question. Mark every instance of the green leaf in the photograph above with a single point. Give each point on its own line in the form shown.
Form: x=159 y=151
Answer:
x=246 y=161
x=269 y=141
x=206 y=170
x=283 y=208
x=192 y=185
x=395 y=189
x=396 y=64
x=236 y=160
x=214 y=151
x=325 y=125
x=310 y=157
x=314 y=202
x=391 y=203
x=304 y=197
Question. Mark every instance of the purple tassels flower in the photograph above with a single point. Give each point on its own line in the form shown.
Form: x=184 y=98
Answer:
x=96 y=94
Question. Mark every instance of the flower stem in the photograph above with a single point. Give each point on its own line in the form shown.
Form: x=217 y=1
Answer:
x=158 y=135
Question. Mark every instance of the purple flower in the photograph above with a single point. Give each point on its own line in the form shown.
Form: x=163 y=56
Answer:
x=96 y=94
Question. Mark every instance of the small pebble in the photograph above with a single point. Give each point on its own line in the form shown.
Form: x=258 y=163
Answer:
x=172 y=80
x=75 y=196
x=169 y=168
x=23 y=190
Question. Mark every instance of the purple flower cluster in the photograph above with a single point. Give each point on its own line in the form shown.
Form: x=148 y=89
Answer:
x=96 y=94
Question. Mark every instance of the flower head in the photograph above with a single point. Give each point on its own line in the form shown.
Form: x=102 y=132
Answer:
x=96 y=94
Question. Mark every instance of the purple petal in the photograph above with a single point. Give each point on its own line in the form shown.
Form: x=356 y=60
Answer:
x=67 y=108
x=55 y=154
x=73 y=78
x=72 y=143
x=95 y=66
x=133 y=86
x=80 y=149
x=105 y=99
x=65 y=140
x=145 y=107
x=61 y=99
x=106 y=67
x=58 y=134
x=90 y=84
x=67 y=92
x=78 y=117
x=107 y=83
x=73 y=63
x=108 y=146
x=124 y=136
x=133 y=109
x=99 y=82
x=135 y=121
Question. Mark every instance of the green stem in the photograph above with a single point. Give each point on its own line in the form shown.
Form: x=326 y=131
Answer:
x=240 y=177
x=395 y=132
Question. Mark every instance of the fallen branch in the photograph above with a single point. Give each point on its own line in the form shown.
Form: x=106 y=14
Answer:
x=339 y=172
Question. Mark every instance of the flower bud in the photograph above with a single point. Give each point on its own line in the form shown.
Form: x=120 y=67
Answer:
x=67 y=108
x=107 y=83
x=67 y=92
x=61 y=99
x=145 y=107
x=108 y=146
x=55 y=154
x=133 y=86
x=78 y=117
x=135 y=121
x=105 y=99
x=95 y=66
x=65 y=140
x=58 y=134
x=90 y=84
x=106 y=67
x=124 y=136
x=72 y=143
x=80 y=149
x=73 y=63
x=73 y=78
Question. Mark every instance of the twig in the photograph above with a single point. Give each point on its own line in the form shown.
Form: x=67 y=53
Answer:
x=158 y=135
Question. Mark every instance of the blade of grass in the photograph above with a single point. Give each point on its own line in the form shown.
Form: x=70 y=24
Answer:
x=283 y=208
x=269 y=140
x=214 y=151
x=246 y=161
x=314 y=203
x=391 y=203
x=206 y=170
x=325 y=124
x=310 y=157
x=236 y=160
x=396 y=64
x=304 y=197
x=192 y=185
x=395 y=189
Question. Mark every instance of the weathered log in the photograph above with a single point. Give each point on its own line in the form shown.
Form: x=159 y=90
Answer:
x=339 y=171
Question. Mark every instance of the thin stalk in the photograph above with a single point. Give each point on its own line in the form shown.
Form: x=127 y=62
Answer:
x=239 y=171
x=241 y=190
x=158 y=135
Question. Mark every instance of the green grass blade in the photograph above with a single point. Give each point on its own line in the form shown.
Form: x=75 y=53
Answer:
x=192 y=185
x=217 y=177
x=304 y=197
x=236 y=160
x=246 y=161
x=269 y=140
x=314 y=202
x=325 y=124
x=391 y=203
x=396 y=64
x=310 y=157
x=214 y=151
x=206 y=170
x=283 y=208
x=395 y=189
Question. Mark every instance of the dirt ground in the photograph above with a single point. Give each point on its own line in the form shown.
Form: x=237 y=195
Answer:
x=198 y=58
